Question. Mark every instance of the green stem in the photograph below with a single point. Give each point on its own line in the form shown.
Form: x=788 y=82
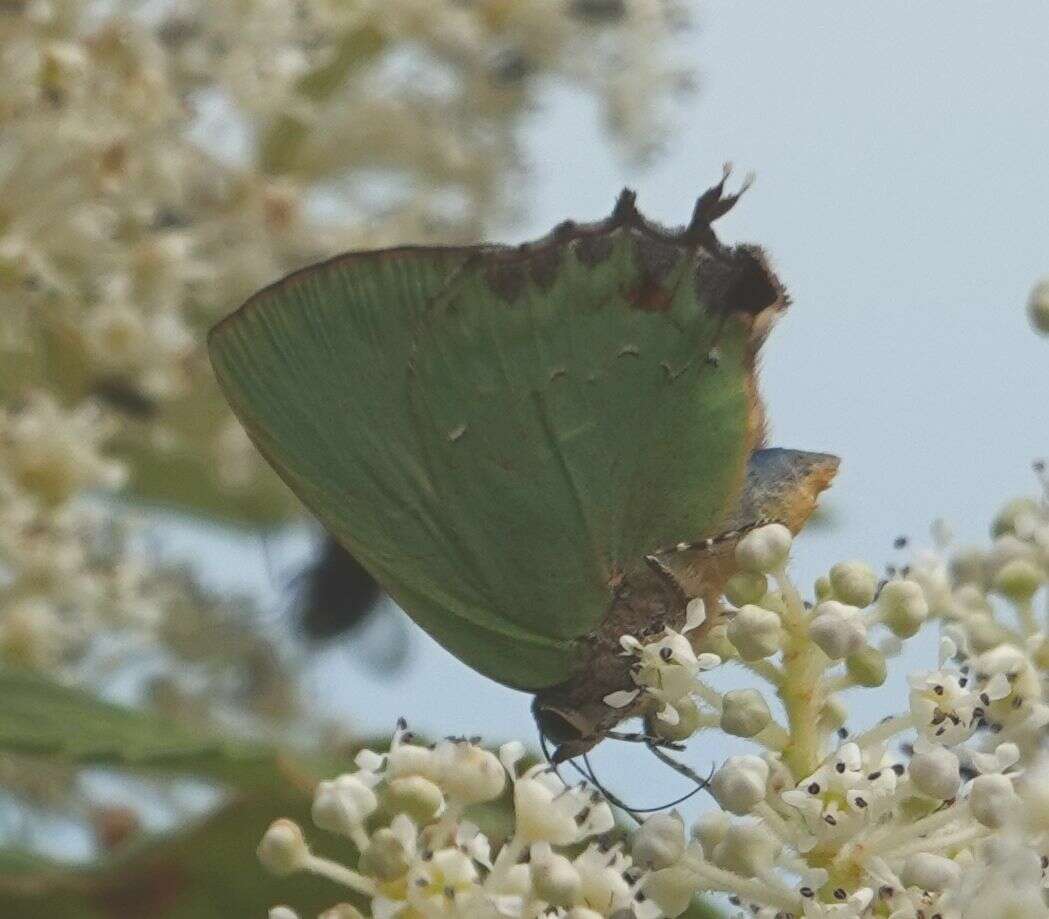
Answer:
x=800 y=688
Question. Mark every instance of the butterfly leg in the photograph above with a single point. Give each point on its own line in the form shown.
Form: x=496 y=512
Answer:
x=664 y=571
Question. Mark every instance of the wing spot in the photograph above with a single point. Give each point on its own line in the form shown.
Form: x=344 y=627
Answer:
x=455 y=433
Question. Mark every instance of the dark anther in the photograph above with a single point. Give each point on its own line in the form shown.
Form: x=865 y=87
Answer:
x=814 y=788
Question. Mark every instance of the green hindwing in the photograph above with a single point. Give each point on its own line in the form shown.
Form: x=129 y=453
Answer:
x=500 y=435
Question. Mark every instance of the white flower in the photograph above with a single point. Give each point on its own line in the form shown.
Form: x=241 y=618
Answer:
x=468 y=773
x=555 y=878
x=343 y=804
x=547 y=811
x=747 y=849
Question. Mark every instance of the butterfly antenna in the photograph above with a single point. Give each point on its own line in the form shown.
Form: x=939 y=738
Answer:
x=631 y=812
x=545 y=745
x=681 y=769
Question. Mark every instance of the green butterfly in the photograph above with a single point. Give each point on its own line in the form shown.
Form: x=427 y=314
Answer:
x=507 y=437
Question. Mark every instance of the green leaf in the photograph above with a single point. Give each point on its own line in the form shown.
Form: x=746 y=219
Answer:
x=499 y=435
x=41 y=717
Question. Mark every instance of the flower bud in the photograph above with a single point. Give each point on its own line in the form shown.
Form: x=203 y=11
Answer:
x=671 y=889
x=283 y=848
x=992 y=800
x=748 y=849
x=853 y=583
x=867 y=667
x=744 y=713
x=554 y=878
x=755 y=632
x=969 y=565
x=343 y=804
x=739 y=784
x=903 y=607
x=746 y=587
x=764 y=550
x=469 y=774
x=686 y=725
x=659 y=841
x=930 y=872
x=411 y=759
x=710 y=829
x=415 y=796
x=385 y=858
x=1019 y=580
x=1013 y=514
x=716 y=642
x=1038 y=307
x=822 y=589
x=934 y=772
x=837 y=629
x=283 y=912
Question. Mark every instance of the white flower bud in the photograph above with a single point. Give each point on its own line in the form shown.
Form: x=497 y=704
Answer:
x=903 y=607
x=992 y=800
x=343 y=804
x=1038 y=307
x=746 y=587
x=1019 y=580
x=468 y=773
x=930 y=872
x=710 y=829
x=739 y=784
x=764 y=550
x=283 y=848
x=934 y=771
x=659 y=841
x=671 y=889
x=822 y=589
x=415 y=796
x=748 y=849
x=837 y=629
x=554 y=878
x=853 y=583
x=283 y=912
x=744 y=713
x=755 y=632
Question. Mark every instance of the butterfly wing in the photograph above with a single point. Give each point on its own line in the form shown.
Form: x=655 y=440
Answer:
x=500 y=435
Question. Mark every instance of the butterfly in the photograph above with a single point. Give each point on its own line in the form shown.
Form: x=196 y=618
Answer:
x=508 y=438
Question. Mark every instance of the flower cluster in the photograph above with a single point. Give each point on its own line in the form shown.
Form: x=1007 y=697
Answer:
x=940 y=810
x=406 y=812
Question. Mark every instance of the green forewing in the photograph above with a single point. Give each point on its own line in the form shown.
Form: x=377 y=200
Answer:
x=495 y=438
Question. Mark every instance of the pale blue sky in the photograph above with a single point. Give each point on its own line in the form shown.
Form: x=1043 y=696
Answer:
x=902 y=153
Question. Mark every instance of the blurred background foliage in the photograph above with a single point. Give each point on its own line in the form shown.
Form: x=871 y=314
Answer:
x=160 y=161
